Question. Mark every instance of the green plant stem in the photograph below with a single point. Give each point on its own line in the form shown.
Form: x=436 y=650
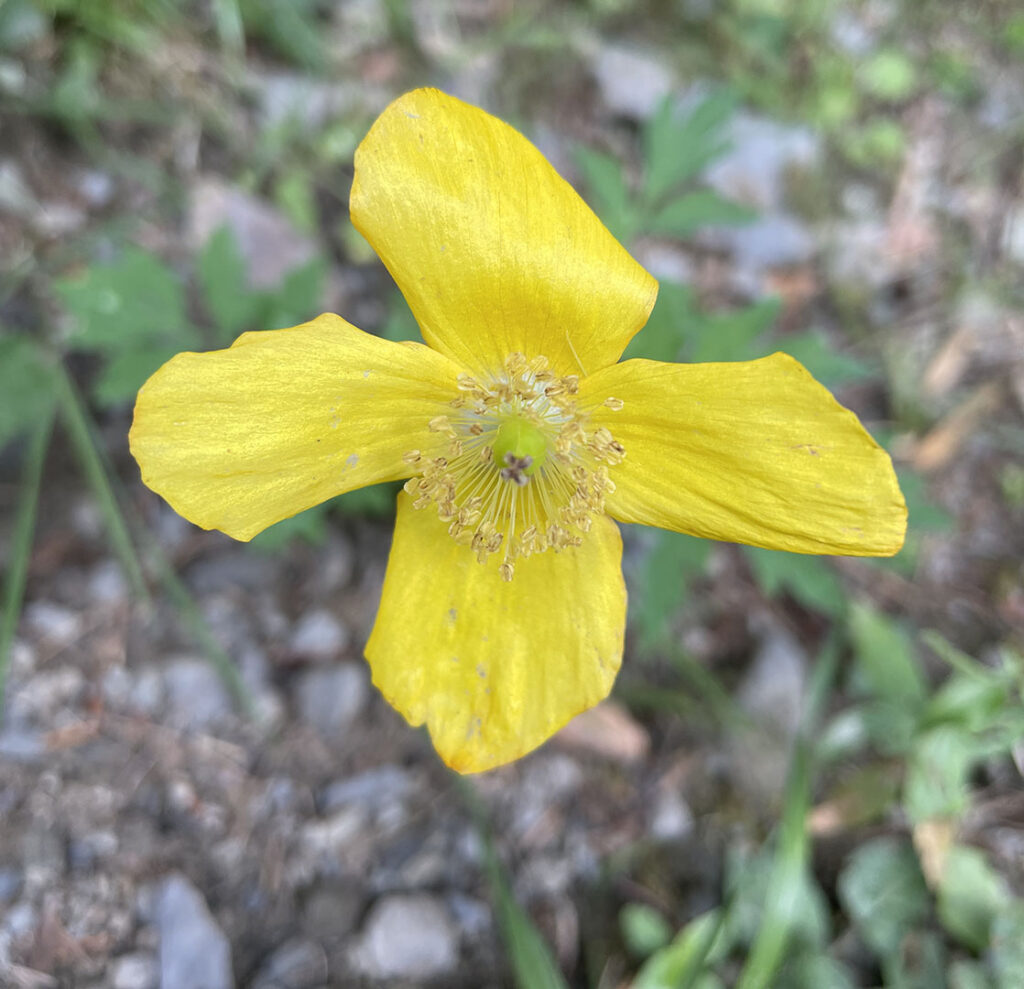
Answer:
x=21 y=545
x=787 y=881
x=81 y=432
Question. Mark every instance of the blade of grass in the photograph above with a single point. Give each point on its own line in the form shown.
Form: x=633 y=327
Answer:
x=212 y=649
x=531 y=959
x=90 y=455
x=81 y=432
x=21 y=544
x=787 y=882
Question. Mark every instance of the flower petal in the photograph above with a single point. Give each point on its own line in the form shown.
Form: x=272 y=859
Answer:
x=241 y=438
x=754 y=452
x=493 y=250
x=495 y=668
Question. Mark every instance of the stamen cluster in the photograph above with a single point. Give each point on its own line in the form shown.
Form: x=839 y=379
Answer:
x=522 y=501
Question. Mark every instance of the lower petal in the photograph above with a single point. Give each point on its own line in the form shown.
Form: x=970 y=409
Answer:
x=755 y=452
x=239 y=439
x=492 y=667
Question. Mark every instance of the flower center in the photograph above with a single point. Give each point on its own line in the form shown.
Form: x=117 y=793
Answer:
x=520 y=470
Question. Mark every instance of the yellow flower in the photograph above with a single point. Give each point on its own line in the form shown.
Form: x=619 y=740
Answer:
x=503 y=609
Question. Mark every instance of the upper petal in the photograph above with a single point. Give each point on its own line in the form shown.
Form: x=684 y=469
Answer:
x=495 y=668
x=493 y=250
x=755 y=452
x=239 y=439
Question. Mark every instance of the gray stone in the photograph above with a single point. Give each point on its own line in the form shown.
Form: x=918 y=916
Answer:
x=196 y=697
x=271 y=246
x=407 y=936
x=297 y=964
x=374 y=789
x=107 y=584
x=761 y=153
x=138 y=971
x=774 y=686
x=10 y=883
x=671 y=817
x=633 y=81
x=194 y=953
x=1013 y=234
x=319 y=635
x=331 y=699
x=58 y=625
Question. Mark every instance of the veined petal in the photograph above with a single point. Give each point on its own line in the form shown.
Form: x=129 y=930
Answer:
x=492 y=667
x=493 y=250
x=754 y=452
x=241 y=438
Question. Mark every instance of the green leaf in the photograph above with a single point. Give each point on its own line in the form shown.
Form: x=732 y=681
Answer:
x=816 y=971
x=644 y=929
x=683 y=216
x=1008 y=947
x=131 y=302
x=937 y=771
x=884 y=894
x=971 y=895
x=309 y=526
x=733 y=335
x=673 y=318
x=675 y=560
x=298 y=297
x=609 y=195
x=808 y=578
x=885 y=657
x=400 y=324
x=226 y=293
x=676 y=150
x=889 y=75
x=829 y=366
x=26 y=388
x=125 y=373
x=681 y=963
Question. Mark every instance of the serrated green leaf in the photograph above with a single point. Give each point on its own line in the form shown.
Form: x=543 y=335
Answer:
x=226 y=293
x=886 y=662
x=26 y=387
x=131 y=302
x=671 y=323
x=298 y=297
x=815 y=971
x=883 y=893
x=609 y=195
x=808 y=578
x=971 y=895
x=677 y=149
x=937 y=771
x=703 y=208
x=125 y=373
x=829 y=366
x=732 y=335
x=675 y=560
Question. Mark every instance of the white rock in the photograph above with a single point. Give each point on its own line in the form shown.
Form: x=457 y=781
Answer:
x=407 y=936
x=632 y=81
x=319 y=635
x=331 y=699
x=137 y=971
x=196 y=696
x=194 y=953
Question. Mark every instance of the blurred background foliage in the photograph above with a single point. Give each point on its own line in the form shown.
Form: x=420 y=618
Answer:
x=838 y=179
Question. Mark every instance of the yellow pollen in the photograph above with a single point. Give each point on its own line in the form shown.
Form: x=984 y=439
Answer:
x=517 y=468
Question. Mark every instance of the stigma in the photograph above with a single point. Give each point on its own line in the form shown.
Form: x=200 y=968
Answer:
x=517 y=468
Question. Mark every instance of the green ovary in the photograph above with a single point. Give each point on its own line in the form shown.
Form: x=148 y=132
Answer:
x=522 y=439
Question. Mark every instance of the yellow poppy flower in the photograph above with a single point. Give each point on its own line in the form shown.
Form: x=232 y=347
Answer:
x=503 y=609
